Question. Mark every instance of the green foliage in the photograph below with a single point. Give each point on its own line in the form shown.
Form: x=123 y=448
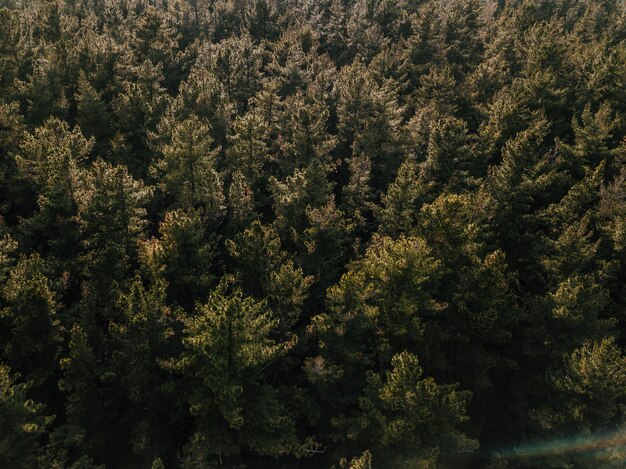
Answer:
x=111 y=210
x=593 y=379
x=336 y=233
x=240 y=203
x=187 y=169
x=402 y=411
x=181 y=256
x=31 y=340
x=22 y=422
x=228 y=348
x=11 y=134
x=139 y=342
x=85 y=388
x=50 y=160
x=401 y=202
x=93 y=115
x=264 y=270
x=247 y=150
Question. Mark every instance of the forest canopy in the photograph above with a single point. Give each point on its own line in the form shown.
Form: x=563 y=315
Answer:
x=346 y=234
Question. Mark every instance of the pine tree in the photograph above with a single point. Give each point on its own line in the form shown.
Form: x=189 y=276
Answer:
x=237 y=62
x=21 y=422
x=304 y=189
x=111 y=208
x=450 y=164
x=368 y=121
x=304 y=138
x=401 y=203
x=241 y=210
x=227 y=350
x=8 y=251
x=595 y=374
x=261 y=20
x=50 y=159
x=93 y=116
x=187 y=169
x=182 y=256
x=480 y=310
x=156 y=40
x=362 y=462
x=334 y=33
x=86 y=388
x=32 y=345
x=137 y=109
x=265 y=271
x=461 y=43
x=258 y=252
x=593 y=139
x=382 y=306
x=11 y=135
x=326 y=242
x=399 y=412
x=138 y=343
x=525 y=182
x=357 y=196
x=247 y=151
x=587 y=397
x=13 y=49
x=204 y=96
x=44 y=90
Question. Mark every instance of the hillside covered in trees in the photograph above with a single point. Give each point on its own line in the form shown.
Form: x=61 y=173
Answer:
x=344 y=234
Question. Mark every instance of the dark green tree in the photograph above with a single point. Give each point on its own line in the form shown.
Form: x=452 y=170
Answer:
x=31 y=342
x=112 y=219
x=182 y=256
x=22 y=422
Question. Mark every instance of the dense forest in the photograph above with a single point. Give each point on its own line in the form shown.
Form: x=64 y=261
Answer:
x=344 y=234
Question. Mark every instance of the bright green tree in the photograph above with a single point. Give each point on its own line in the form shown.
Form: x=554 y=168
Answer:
x=228 y=350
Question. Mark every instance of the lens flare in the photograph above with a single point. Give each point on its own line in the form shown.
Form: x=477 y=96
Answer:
x=607 y=446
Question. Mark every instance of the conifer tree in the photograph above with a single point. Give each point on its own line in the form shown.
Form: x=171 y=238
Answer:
x=86 y=388
x=182 y=256
x=50 y=159
x=304 y=189
x=187 y=169
x=264 y=270
x=22 y=422
x=241 y=210
x=137 y=109
x=11 y=135
x=383 y=305
x=401 y=203
x=92 y=114
x=304 y=138
x=357 y=196
x=399 y=412
x=138 y=343
x=525 y=182
x=112 y=219
x=44 y=89
x=325 y=240
x=247 y=150
x=228 y=348
x=33 y=330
